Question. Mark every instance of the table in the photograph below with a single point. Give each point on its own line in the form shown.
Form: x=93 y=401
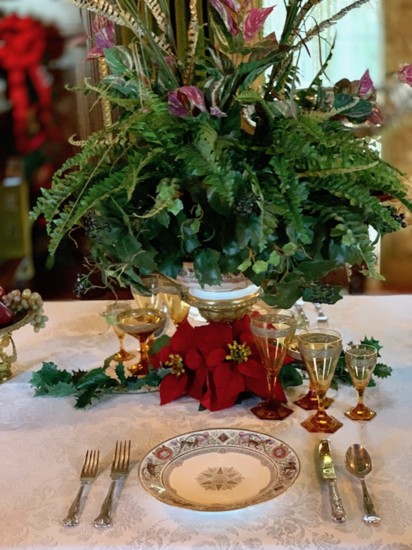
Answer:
x=43 y=441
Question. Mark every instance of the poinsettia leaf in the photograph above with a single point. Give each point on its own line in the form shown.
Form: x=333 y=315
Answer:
x=159 y=343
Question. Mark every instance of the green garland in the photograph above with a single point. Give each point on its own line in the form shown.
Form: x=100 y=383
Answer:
x=87 y=386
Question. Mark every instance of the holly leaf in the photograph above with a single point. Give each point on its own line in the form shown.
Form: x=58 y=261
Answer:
x=290 y=375
x=382 y=370
x=50 y=379
x=372 y=342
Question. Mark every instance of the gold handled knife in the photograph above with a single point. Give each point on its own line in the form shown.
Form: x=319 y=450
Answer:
x=327 y=471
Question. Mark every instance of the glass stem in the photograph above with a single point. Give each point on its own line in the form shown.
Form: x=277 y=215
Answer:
x=321 y=402
x=272 y=379
x=360 y=396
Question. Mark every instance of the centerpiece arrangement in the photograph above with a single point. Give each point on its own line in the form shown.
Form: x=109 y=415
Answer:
x=212 y=153
x=216 y=156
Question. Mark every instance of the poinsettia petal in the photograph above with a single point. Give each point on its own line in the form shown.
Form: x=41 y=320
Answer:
x=179 y=341
x=254 y=22
x=215 y=357
x=225 y=383
x=213 y=335
x=172 y=387
x=197 y=383
x=194 y=360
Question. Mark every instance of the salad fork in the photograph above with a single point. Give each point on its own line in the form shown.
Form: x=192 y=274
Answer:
x=119 y=471
x=87 y=475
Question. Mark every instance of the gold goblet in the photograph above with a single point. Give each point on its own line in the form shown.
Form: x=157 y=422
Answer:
x=360 y=361
x=272 y=333
x=141 y=323
x=177 y=308
x=110 y=314
x=320 y=349
x=309 y=401
x=149 y=296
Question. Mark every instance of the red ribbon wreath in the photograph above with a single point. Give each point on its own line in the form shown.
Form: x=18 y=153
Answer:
x=22 y=47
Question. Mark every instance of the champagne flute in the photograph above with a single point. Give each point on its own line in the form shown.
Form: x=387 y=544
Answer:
x=272 y=333
x=320 y=349
x=141 y=323
x=360 y=361
x=110 y=314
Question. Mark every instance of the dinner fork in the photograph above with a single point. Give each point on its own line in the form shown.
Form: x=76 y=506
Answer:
x=87 y=475
x=119 y=471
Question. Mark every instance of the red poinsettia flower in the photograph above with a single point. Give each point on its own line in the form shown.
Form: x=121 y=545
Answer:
x=214 y=364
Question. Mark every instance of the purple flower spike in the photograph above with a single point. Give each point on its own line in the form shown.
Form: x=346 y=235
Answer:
x=186 y=101
x=103 y=37
x=405 y=74
x=366 y=86
x=227 y=18
x=254 y=22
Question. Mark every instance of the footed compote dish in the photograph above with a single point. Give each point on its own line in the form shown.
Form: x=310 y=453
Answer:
x=142 y=324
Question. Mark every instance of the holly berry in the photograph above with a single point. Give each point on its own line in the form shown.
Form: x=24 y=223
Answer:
x=6 y=315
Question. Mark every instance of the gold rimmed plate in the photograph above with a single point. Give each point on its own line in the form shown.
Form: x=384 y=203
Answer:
x=219 y=469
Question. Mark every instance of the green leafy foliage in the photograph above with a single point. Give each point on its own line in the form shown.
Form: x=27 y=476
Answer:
x=268 y=180
x=91 y=385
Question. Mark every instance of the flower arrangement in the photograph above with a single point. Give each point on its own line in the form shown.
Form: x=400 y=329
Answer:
x=219 y=157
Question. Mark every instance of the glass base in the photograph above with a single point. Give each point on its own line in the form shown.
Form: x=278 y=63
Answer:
x=271 y=410
x=322 y=422
x=139 y=370
x=309 y=402
x=123 y=355
x=360 y=412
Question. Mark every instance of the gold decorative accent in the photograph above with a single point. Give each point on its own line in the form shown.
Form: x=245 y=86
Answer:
x=224 y=310
x=6 y=340
x=107 y=112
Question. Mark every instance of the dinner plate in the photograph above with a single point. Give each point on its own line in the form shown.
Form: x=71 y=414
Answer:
x=219 y=469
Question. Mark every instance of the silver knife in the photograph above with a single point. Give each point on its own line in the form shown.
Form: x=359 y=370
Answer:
x=327 y=471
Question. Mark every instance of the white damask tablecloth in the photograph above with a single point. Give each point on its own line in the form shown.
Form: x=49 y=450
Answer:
x=43 y=441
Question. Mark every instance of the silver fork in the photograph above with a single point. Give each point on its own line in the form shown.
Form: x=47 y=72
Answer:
x=119 y=471
x=87 y=475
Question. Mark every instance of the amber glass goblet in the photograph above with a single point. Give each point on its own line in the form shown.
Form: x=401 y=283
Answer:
x=272 y=333
x=110 y=314
x=149 y=296
x=360 y=361
x=309 y=401
x=320 y=349
x=142 y=323
x=177 y=308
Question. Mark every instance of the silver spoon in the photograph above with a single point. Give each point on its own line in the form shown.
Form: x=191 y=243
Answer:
x=359 y=463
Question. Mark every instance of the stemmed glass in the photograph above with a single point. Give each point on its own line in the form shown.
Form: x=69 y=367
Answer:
x=360 y=361
x=141 y=323
x=110 y=314
x=320 y=349
x=177 y=308
x=150 y=296
x=272 y=333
